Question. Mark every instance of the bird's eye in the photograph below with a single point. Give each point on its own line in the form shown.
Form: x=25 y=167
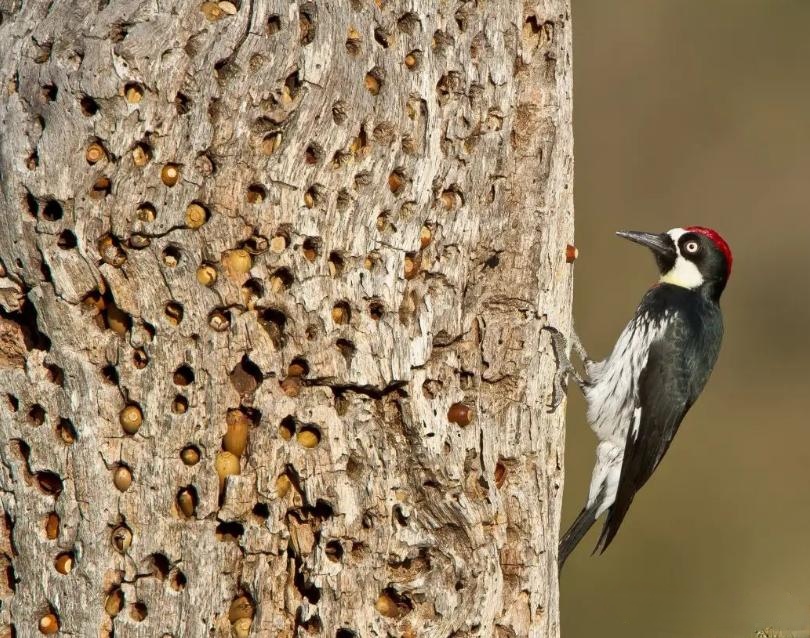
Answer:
x=692 y=247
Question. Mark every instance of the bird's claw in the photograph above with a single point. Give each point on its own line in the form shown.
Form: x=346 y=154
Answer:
x=564 y=368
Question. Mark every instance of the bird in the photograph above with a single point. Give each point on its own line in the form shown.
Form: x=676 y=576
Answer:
x=638 y=396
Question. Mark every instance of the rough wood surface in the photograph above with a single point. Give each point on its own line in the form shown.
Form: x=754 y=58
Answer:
x=383 y=193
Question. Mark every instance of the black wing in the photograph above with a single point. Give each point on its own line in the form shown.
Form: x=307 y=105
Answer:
x=668 y=386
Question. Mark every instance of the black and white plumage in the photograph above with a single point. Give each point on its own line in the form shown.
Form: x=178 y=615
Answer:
x=639 y=395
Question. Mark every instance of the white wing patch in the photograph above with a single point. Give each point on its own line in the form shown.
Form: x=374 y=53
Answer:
x=613 y=407
x=684 y=273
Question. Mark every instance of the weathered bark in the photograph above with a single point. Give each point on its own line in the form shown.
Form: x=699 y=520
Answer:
x=384 y=197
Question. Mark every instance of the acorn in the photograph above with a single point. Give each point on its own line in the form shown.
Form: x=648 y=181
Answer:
x=236 y=436
x=110 y=251
x=228 y=8
x=196 y=215
x=372 y=84
x=117 y=320
x=425 y=237
x=52 y=526
x=271 y=142
x=174 y=313
x=449 y=199
x=130 y=419
x=283 y=485
x=571 y=253
x=236 y=262
x=241 y=607
x=308 y=437
x=219 y=321
x=386 y=606
x=291 y=386
x=226 y=464
x=411 y=266
x=121 y=538
x=207 y=275
x=340 y=313
x=309 y=199
x=278 y=244
x=395 y=182
x=133 y=93
x=114 y=603
x=460 y=414
x=94 y=153
x=169 y=174
x=48 y=624
x=64 y=562
x=146 y=213
x=141 y=155
x=241 y=628
x=411 y=60
x=190 y=455
x=185 y=503
x=122 y=478
x=212 y=11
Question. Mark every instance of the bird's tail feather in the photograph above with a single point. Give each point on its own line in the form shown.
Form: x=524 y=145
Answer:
x=580 y=527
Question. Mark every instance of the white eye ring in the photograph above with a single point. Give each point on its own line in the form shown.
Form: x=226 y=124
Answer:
x=691 y=247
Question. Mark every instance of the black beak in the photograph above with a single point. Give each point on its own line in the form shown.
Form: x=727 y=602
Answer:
x=661 y=244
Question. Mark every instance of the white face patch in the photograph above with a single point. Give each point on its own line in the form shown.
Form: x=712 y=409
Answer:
x=684 y=273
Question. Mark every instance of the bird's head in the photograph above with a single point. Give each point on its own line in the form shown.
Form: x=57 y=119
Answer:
x=695 y=257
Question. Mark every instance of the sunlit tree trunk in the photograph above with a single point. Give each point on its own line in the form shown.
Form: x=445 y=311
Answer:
x=273 y=283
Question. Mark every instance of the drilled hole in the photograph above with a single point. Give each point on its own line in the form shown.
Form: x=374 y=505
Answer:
x=312 y=248
x=347 y=349
x=133 y=92
x=13 y=402
x=382 y=37
x=336 y=263
x=334 y=551
x=341 y=312
x=376 y=309
x=36 y=415
x=313 y=196
x=409 y=23
x=178 y=581
x=140 y=359
x=256 y=194
x=180 y=404
x=340 y=112
x=187 y=501
x=219 y=319
x=274 y=322
x=66 y=431
x=138 y=612
x=182 y=104
x=55 y=374
x=261 y=511
x=229 y=531
x=141 y=154
x=353 y=42
x=306 y=23
x=184 y=375
x=245 y=376
x=396 y=181
x=49 y=482
x=174 y=313
x=101 y=188
x=52 y=211
x=146 y=212
x=374 y=80
x=287 y=428
x=312 y=154
x=280 y=280
x=273 y=24
x=171 y=256
x=88 y=106
x=292 y=85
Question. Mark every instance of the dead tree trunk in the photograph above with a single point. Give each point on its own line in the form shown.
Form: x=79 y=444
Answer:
x=273 y=283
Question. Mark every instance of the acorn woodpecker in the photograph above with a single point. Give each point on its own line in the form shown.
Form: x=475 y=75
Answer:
x=638 y=396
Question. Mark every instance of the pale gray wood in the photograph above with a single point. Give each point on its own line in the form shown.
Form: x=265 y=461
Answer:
x=478 y=138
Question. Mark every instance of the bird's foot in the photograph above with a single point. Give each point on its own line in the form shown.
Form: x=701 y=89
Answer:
x=564 y=368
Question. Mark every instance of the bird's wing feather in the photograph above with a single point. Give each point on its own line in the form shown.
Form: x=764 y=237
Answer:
x=665 y=394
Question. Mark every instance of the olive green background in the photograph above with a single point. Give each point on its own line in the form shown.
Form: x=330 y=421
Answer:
x=697 y=112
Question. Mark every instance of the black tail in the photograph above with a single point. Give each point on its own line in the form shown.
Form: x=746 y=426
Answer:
x=578 y=529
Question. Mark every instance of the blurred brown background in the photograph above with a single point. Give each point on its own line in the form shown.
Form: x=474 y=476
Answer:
x=698 y=112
